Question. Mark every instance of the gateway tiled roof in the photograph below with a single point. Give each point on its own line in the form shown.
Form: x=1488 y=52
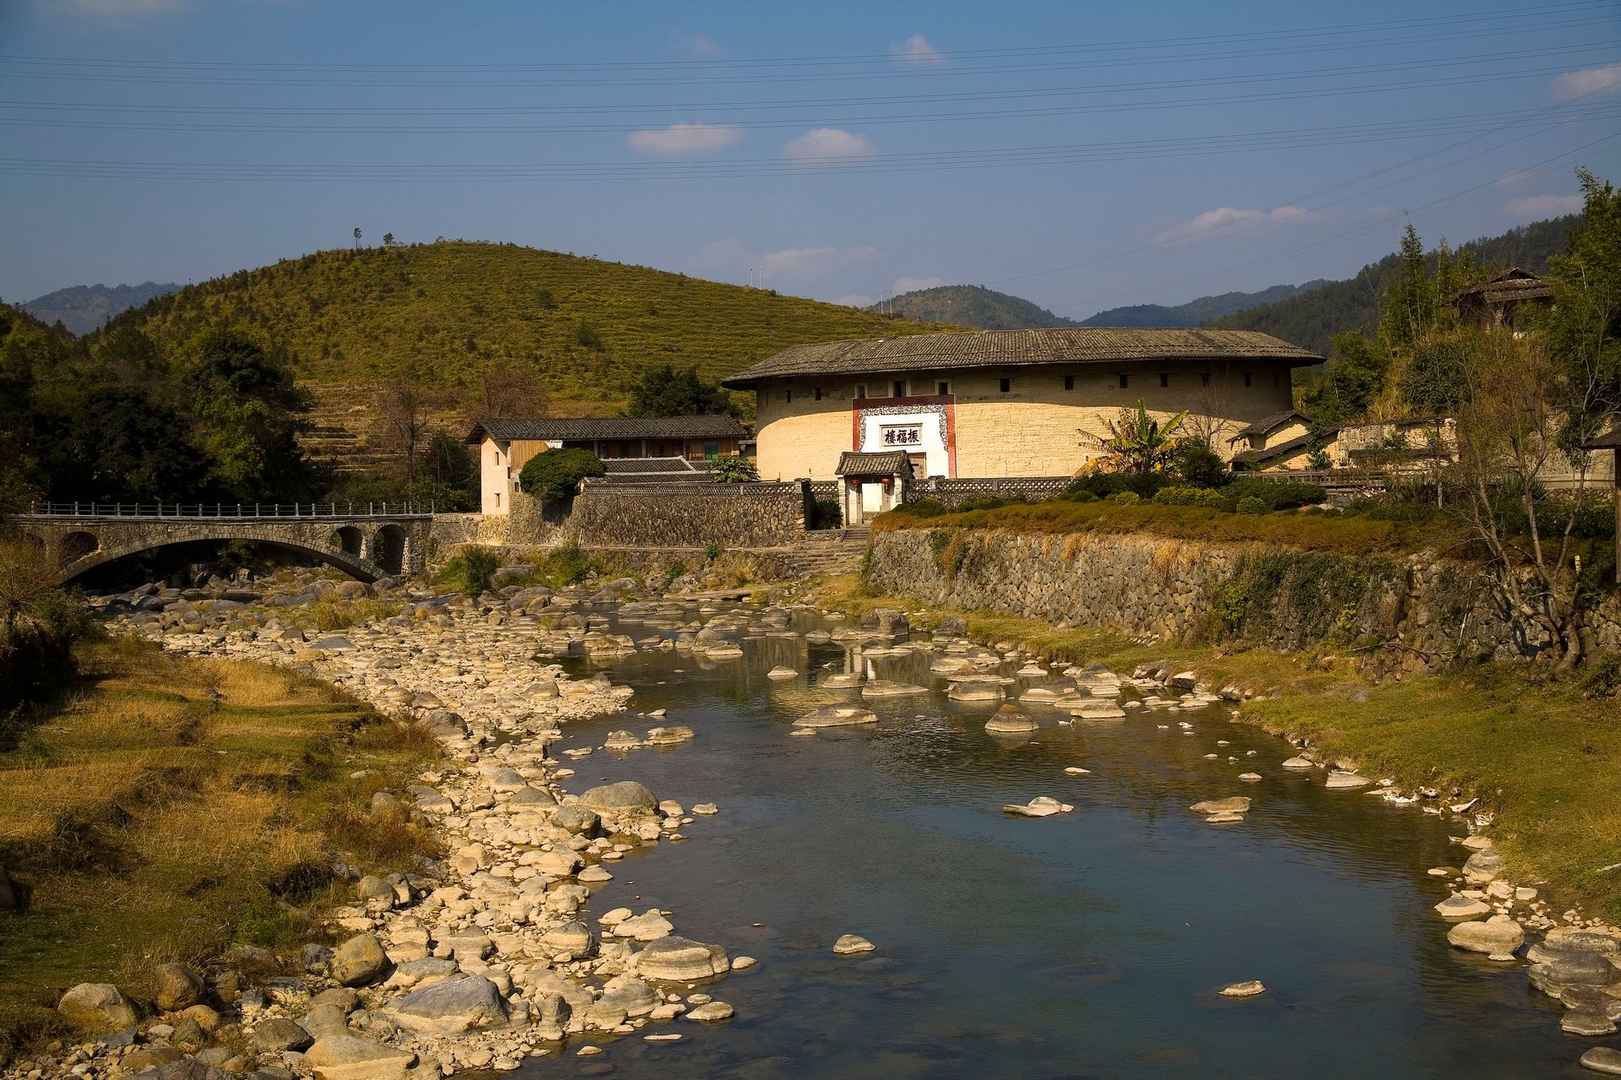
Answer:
x=638 y=465
x=609 y=427
x=1266 y=425
x=1013 y=348
x=871 y=463
x=1282 y=450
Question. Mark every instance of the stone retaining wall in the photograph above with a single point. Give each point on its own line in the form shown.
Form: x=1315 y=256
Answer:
x=747 y=515
x=1417 y=611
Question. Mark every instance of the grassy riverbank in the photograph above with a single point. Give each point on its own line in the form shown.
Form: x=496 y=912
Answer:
x=1541 y=753
x=169 y=808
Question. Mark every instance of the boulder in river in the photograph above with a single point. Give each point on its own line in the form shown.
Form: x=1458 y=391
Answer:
x=837 y=716
x=624 y=795
x=1497 y=936
x=1247 y=988
x=450 y=1007
x=852 y=944
x=678 y=959
x=1602 y=1059
x=1233 y=804
x=1010 y=721
x=1457 y=908
x=1040 y=806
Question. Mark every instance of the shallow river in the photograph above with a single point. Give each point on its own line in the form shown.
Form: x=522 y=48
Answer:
x=1087 y=944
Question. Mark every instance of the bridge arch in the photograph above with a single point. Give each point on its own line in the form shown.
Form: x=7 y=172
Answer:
x=353 y=565
x=349 y=540
x=75 y=546
x=390 y=547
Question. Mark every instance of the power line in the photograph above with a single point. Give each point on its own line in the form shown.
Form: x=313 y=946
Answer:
x=1111 y=87
x=1453 y=25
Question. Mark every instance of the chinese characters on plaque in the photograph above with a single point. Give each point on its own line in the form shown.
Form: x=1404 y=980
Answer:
x=903 y=436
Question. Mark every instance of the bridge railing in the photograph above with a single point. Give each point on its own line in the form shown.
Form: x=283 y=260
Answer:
x=224 y=511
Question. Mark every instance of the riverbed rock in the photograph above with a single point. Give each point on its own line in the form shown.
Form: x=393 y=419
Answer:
x=629 y=996
x=1010 y=721
x=1233 y=804
x=648 y=926
x=1579 y=1022
x=577 y=818
x=780 y=672
x=710 y=1012
x=451 y=1007
x=1483 y=867
x=1345 y=781
x=348 y=1057
x=1497 y=937
x=623 y=795
x=837 y=716
x=276 y=1036
x=360 y=961
x=887 y=688
x=1602 y=1059
x=96 y=1009
x=1299 y=764
x=678 y=959
x=176 y=987
x=1555 y=969
x=1248 y=988
x=852 y=944
x=1457 y=908
x=1040 y=806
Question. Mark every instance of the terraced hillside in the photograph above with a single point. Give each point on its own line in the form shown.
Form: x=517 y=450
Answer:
x=439 y=313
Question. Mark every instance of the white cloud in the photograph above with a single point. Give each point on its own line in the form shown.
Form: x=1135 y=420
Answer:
x=702 y=45
x=1587 y=81
x=855 y=300
x=119 y=7
x=913 y=284
x=678 y=139
x=917 y=50
x=1228 y=218
x=816 y=261
x=1533 y=207
x=828 y=146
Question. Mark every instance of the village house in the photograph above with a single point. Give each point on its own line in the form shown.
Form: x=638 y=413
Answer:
x=1005 y=403
x=1498 y=301
x=1283 y=440
x=659 y=445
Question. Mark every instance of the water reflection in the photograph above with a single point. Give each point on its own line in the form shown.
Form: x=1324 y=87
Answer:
x=1088 y=944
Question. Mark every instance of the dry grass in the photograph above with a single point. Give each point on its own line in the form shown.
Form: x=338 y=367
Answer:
x=163 y=810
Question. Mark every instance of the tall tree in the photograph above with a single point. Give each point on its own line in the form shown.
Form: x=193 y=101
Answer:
x=1410 y=305
x=664 y=391
x=248 y=413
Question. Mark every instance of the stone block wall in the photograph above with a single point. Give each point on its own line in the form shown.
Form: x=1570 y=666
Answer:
x=1414 y=611
x=956 y=492
x=729 y=515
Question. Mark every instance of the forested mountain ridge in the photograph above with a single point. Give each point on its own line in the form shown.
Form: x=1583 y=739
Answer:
x=83 y=308
x=987 y=309
x=1313 y=316
x=1195 y=312
x=438 y=314
x=973 y=305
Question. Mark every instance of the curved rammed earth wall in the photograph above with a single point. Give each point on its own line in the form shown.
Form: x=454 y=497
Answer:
x=1416 y=610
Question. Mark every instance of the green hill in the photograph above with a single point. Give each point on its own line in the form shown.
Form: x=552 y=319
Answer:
x=1312 y=317
x=1195 y=312
x=437 y=313
x=973 y=305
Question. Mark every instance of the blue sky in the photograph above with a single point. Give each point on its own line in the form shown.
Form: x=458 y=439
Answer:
x=1081 y=155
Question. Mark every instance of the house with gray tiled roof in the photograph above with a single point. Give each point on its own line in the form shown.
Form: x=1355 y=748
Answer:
x=1007 y=403
x=660 y=447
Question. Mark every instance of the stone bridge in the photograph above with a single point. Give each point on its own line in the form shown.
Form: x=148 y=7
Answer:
x=374 y=543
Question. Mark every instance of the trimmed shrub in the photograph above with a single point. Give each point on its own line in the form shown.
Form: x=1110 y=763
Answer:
x=1275 y=494
x=1125 y=498
x=555 y=475
x=1193 y=496
x=1250 y=504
